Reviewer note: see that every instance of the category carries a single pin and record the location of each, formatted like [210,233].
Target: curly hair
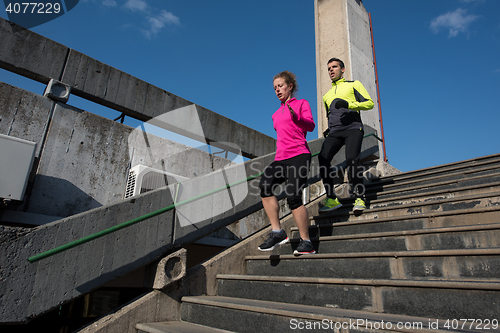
[289,78]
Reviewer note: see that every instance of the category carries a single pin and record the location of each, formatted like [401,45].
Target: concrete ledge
[223,312]
[440,299]
[145,308]
[176,327]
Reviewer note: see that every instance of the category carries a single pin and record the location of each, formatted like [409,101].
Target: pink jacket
[291,131]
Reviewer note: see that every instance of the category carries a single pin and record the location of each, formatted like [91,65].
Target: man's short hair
[338,60]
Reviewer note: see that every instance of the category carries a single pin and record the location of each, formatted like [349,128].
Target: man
[343,104]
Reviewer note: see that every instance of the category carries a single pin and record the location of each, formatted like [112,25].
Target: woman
[291,121]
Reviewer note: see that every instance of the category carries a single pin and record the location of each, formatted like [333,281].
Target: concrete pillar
[343,31]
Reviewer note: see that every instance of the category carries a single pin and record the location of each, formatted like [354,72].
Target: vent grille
[131,180]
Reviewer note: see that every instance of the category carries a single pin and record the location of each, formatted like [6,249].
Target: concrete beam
[29,54]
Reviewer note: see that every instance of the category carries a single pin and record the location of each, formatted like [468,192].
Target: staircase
[424,256]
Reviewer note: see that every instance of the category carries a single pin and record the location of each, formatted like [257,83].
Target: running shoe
[330,205]
[359,205]
[275,238]
[305,247]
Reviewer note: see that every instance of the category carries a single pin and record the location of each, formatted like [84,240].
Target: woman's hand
[290,108]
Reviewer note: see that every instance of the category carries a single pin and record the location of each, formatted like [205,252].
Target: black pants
[294,171]
[352,140]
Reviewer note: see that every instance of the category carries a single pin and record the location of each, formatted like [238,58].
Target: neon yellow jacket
[358,99]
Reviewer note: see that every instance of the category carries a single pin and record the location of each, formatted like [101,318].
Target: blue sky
[437,63]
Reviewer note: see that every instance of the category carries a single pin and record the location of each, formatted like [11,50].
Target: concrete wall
[82,158]
[343,31]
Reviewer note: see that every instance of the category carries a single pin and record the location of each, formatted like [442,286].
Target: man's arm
[363,99]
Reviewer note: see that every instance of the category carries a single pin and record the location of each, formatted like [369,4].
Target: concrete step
[250,316]
[176,327]
[431,299]
[428,246]
[428,178]
[480,172]
[452,218]
[420,194]
[377,201]
[419,188]
[445,238]
[476,264]
[468,165]
[418,206]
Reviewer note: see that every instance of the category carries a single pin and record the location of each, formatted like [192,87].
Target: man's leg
[330,147]
[354,140]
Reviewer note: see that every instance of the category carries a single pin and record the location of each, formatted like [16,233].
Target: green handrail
[375,135]
[123,225]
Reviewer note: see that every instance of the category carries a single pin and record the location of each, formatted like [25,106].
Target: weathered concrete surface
[402,299]
[165,155]
[342,30]
[36,57]
[82,159]
[83,164]
[384,169]
[30,289]
[24,115]
[29,54]
[170,269]
[148,308]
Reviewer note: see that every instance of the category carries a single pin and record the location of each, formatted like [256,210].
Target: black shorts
[293,171]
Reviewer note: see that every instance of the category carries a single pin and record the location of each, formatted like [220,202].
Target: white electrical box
[16,161]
